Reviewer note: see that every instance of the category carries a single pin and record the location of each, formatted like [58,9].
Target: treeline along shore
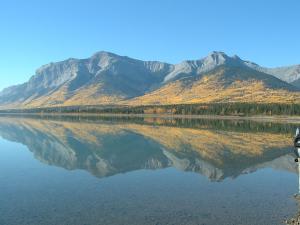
[222,109]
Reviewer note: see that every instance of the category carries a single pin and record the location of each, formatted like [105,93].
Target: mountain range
[106,78]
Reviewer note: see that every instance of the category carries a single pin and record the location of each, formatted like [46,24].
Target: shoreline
[258,118]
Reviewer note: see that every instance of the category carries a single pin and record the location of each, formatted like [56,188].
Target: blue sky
[36,32]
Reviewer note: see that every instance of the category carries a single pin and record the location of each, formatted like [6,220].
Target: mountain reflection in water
[106,146]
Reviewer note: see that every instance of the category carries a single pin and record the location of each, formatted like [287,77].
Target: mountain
[107,78]
[103,78]
[288,74]
[222,84]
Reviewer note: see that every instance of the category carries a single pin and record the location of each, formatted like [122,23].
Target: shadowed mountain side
[107,149]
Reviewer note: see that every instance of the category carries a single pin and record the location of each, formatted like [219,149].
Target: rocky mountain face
[289,74]
[222,85]
[107,78]
[103,78]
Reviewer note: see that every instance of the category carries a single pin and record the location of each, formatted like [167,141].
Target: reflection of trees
[104,146]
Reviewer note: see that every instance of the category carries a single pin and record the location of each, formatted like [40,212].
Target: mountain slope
[223,84]
[288,74]
[196,67]
[103,78]
[107,78]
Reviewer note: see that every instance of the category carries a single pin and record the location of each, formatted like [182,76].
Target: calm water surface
[93,170]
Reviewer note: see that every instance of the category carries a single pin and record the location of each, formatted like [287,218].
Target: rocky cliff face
[107,78]
[288,74]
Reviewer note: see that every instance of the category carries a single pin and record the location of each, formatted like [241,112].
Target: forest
[226,109]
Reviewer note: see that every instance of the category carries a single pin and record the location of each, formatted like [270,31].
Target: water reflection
[105,146]
[296,219]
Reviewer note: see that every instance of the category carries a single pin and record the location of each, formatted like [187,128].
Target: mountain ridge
[108,78]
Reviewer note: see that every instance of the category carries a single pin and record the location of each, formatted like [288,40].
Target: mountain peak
[236,57]
[104,54]
[215,58]
[196,67]
[218,54]
[103,59]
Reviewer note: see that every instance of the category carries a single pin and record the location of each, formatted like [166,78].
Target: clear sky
[36,32]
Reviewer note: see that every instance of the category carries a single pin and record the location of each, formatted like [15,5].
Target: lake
[90,170]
